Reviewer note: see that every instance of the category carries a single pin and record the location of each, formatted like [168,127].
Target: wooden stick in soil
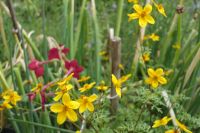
[115,44]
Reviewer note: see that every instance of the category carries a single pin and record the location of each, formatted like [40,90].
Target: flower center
[143,14]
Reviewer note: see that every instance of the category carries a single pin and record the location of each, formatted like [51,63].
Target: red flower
[37,67]
[73,67]
[54,52]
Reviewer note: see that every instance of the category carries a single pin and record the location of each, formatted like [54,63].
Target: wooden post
[115,45]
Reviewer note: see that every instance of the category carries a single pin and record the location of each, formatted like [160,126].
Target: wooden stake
[115,44]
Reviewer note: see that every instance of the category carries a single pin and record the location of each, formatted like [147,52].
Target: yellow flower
[171,131]
[161,122]
[77,132]
[153,37]
[86,103]
[11,96]
[65,110]
[38,88]
[146,57]
[155,77]
[168,72]
[183,127]
[161,9]
[176,46]
[102,86]
[84,78]
[5,105]
[63,87]
[121,66]
[118,83]
[143,14]
[133,1]
[87,87]
[61,91]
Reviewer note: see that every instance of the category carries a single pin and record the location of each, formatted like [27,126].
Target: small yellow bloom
[61,91]
[118,83]
[5,105]
[155,77]
[84,78]
[153,37]
[161,9]
[143,14]
[176,46]
[102,86]
[87,87]
[87,103]
[38,88]
[171,131]
[133,1]
[121,66]
[78,132]
[12,97]
[65,110]
[168,72]
[183,127]
[161,122]
[146,57]
[65,80]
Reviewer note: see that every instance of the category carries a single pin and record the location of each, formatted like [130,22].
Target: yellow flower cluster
[164,121]
[65,107]
[10,99]
[144,14]
[153,37]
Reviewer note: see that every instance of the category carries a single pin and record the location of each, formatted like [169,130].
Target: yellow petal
[92,98]
[162,80]
[58,96]
[125,78]
[114,79]
[57,107]
[151,72]
[82,108]
[171,131]
[61,118]
[132,16]
[118,91]
[154,84]
[137,8]
[71,115]
[159,71]
[148,8]
[149,19]
[161,9]
[74,105]
[66,99]
[90,107]
[142,22]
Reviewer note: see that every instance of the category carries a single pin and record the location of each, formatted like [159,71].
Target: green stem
[119,17]
[41,125]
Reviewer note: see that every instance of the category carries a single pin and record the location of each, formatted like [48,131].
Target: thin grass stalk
[41,125]
[19,81]
[14,123]
[45,44]
[119,17]
[71,32]
[177,53]
[97,41]
[65,32]
[4,40]
[78,29]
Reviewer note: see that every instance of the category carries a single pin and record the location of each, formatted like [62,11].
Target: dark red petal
[79,69]
[31,96]
[34,64]
[74,63]
[39,71]
[67,65]
[76,75]
[53,54]
[65,50]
